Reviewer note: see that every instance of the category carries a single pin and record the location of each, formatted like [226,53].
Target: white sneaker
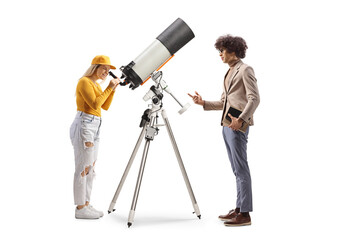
[101,214]
[86,213]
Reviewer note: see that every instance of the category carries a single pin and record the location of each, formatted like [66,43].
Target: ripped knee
[89,144]
[85,172]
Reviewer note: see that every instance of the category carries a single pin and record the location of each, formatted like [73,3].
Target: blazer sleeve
[215,105]
[252,94]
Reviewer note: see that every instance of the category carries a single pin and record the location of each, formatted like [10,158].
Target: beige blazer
[242,93]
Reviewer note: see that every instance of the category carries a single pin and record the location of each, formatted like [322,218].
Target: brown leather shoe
[228,216]
[239,220]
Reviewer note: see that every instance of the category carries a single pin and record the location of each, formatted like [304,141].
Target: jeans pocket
[87,131]
[86,118]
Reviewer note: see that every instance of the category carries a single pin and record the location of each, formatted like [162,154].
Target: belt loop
[81,113]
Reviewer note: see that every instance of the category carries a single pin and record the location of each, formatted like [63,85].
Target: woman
[85,129]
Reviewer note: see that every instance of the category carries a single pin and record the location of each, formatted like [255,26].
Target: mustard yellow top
[90,98]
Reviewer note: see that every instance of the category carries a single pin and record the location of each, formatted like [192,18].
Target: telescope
[154,57]
[136,73]
[157,54]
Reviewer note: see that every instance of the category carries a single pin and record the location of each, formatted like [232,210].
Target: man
[240,96]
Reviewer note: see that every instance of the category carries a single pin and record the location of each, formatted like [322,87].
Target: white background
[303,150]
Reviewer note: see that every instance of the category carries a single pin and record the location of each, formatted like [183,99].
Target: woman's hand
[197,99]
[114,83]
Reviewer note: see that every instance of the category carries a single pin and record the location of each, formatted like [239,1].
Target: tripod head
[155,92]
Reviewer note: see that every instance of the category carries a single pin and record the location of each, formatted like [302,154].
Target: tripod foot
[111,211]
[129,224]
[199,216]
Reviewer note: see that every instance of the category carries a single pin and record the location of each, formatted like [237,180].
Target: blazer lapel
[234,73]
[226,90]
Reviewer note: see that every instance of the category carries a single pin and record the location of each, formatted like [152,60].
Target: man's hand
[197,99]
[236,123]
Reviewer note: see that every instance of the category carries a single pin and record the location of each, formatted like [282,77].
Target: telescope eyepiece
[112,74]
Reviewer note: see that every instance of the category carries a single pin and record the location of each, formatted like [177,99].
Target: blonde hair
[91,70]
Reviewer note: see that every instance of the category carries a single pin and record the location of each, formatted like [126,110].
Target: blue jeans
[236,145]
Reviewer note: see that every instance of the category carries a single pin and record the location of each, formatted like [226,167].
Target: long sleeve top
[90,98]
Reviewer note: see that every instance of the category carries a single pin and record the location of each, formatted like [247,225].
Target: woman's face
[102,71]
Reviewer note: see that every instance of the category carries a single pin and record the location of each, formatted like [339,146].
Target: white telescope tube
[177,35]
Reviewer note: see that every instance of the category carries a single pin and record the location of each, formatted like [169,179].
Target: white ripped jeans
[85,128]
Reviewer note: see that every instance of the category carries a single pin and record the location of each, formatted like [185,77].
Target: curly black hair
[232,44]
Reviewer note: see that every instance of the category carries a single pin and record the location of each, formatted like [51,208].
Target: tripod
[149,130]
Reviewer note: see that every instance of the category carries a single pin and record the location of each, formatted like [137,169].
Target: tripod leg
[181,164]
[140,176]
[127,169]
